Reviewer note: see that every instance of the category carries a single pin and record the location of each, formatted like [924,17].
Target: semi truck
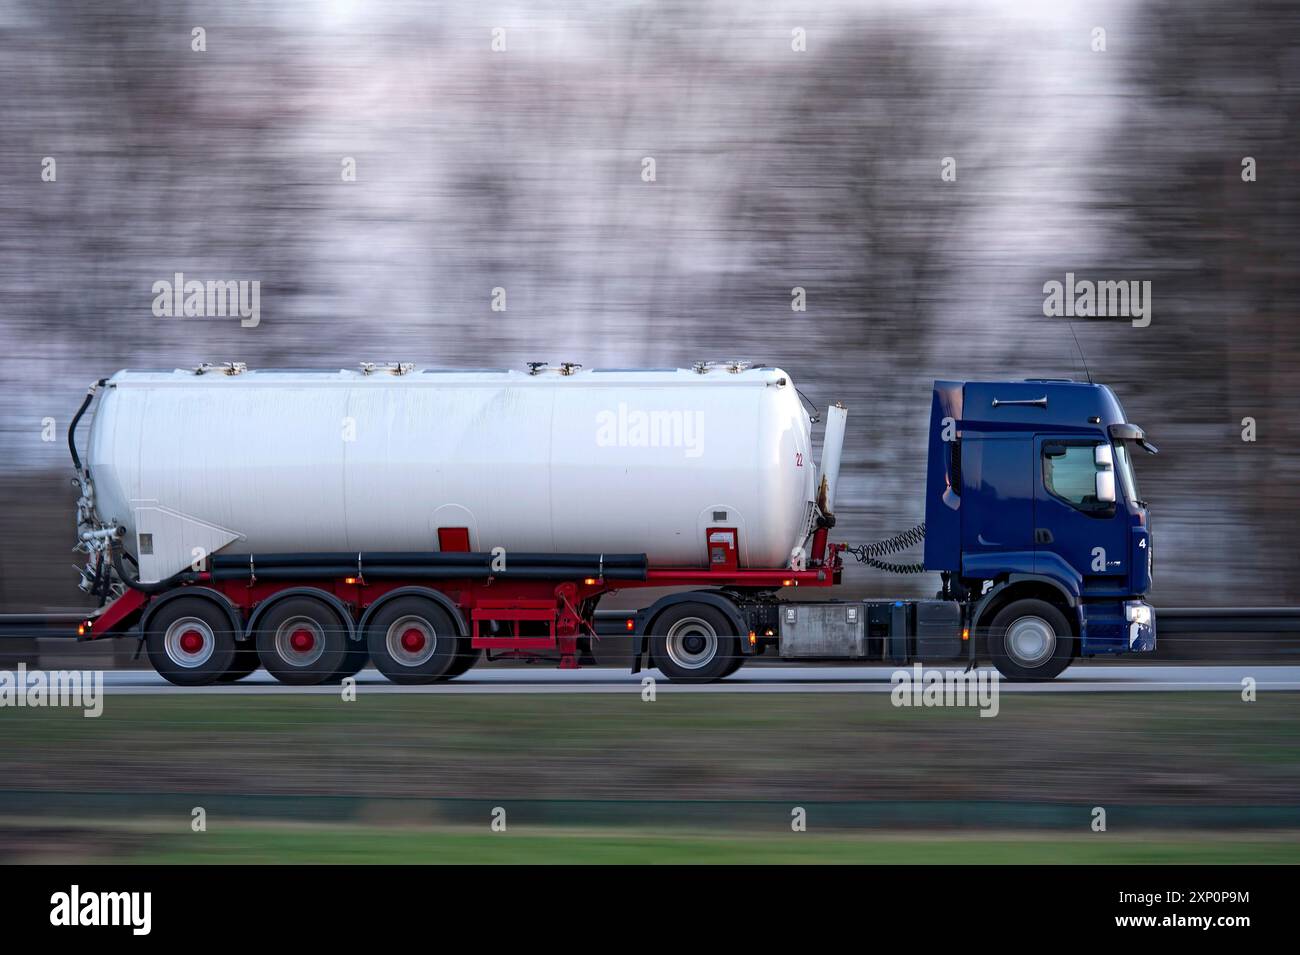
[418,519]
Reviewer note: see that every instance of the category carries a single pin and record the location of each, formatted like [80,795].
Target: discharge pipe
[837,417]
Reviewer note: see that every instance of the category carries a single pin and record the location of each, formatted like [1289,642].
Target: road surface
[1080,678]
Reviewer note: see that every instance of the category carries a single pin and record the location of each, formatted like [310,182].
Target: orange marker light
[81,630]
[787,583]
[589,581]
[349,580]
[965,633]
[752,639]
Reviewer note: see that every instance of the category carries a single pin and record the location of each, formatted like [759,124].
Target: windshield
[1124,465]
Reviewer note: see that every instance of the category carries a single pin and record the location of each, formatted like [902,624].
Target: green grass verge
[1132,749]
[260,844]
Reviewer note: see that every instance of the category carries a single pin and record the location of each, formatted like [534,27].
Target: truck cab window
[1070,474]
[1127,479]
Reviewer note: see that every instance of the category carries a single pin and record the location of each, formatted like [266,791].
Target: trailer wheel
[246,663]
[466,657]
[302,641]
[1030,640]
[190,642]
[412,640]
[693,643]
[355,658]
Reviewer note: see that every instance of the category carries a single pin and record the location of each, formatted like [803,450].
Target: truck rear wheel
[693,643]
[302,641]
[1030,640]
[190,642]
[412,640]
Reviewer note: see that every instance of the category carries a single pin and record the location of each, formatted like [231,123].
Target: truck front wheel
[1030,640]
[693,643]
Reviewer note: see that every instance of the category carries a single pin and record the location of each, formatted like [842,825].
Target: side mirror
[1106,487]
[1104,457]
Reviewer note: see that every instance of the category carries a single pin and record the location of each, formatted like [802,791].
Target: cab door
[1077,526]
[997,504]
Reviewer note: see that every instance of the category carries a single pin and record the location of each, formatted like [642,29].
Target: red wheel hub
[413,641]
[191,641]
[302,639]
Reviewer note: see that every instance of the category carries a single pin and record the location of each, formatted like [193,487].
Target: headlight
[1138,613]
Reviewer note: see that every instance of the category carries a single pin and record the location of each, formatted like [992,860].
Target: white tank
[591,461]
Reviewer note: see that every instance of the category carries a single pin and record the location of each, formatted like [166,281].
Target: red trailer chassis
[525,618]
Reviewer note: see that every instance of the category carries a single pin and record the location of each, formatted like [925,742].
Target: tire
[412,640]
[466,657]
[355,658]
[246,663]
[302,641]
[190,642]
[736,664]
[693,643]
[1030,640]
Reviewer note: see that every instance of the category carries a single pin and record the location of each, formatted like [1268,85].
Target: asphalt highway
[1081,678]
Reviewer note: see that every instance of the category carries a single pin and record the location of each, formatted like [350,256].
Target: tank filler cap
[226,368]
[735,366]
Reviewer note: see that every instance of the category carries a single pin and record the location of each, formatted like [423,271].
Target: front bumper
[1117,626]
[1140,622]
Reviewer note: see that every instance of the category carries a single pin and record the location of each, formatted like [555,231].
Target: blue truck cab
[1035,520]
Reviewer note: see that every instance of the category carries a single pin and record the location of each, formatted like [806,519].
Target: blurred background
[774,169]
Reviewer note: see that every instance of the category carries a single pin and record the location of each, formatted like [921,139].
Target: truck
[420,519]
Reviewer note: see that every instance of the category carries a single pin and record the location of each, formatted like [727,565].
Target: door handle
[1043,536]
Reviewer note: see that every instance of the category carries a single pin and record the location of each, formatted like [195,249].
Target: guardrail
[33,625]
[1205,620]
[1174,621]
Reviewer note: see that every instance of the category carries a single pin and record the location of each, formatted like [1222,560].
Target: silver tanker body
[590,461]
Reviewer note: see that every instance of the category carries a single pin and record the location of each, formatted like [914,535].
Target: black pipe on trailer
[416,572]
[427,559]
[440,565]
[158,587]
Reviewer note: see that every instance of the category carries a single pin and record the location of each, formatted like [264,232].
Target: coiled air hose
[870,554]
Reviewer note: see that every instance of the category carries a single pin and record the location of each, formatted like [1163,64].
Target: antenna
[1078,349]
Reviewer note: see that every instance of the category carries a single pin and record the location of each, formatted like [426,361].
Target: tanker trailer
[456,511]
